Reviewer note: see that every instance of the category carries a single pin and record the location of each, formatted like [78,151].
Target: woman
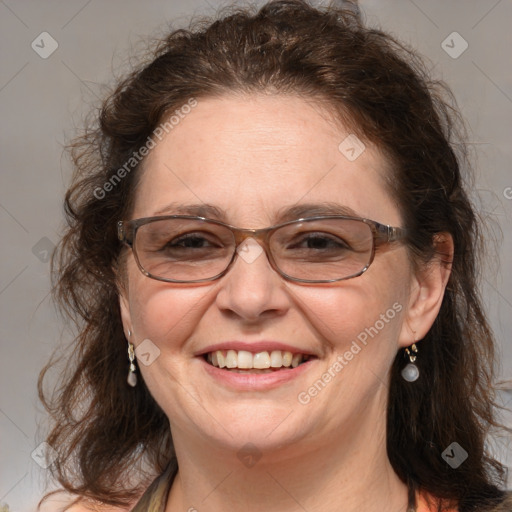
[272,263]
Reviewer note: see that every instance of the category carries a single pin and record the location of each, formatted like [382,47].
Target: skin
[251,157]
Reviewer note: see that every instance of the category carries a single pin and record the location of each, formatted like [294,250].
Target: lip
[254,347]
[253,381]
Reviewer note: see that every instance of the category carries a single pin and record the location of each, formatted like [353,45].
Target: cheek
[368,311]
[163,312]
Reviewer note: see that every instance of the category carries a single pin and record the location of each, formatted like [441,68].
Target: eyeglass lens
[193,250]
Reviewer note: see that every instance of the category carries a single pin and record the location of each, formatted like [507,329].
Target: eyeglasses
[188,249]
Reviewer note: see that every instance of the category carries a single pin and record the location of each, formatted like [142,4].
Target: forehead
[252,157]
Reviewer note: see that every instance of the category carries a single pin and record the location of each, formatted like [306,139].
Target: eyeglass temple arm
[389,233]
[122,233]
[395,234]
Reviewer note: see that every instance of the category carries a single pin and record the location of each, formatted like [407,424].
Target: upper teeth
[261,360]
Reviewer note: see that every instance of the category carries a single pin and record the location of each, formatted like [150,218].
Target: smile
[262,362]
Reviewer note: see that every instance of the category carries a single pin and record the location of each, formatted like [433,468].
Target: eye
[196,243]
[191,241]
[318,241]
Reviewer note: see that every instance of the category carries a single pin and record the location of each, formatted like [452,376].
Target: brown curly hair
[382,91]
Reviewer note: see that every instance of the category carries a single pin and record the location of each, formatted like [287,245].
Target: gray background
[42,100]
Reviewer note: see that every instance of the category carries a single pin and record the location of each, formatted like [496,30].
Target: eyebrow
[285,214]
[198,210]
[314,210]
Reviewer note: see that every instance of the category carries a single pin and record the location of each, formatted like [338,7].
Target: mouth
[247,362]
[256,366]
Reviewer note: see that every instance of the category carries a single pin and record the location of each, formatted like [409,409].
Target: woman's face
[251,160]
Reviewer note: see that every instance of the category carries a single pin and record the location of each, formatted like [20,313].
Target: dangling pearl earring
[411,372]
[132,376]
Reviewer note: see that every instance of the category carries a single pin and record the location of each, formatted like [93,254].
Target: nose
[252,289]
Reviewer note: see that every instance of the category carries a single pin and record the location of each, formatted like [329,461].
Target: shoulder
[95,507]
[428,503]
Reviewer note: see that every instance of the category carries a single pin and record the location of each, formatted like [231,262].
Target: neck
[351,474]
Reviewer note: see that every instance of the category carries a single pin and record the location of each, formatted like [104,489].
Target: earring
[132,376]
[411,372]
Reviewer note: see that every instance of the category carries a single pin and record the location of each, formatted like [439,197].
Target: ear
[427,291]
[124,303]
[124,307]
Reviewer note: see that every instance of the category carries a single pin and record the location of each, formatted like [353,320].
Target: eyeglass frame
[382,234]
